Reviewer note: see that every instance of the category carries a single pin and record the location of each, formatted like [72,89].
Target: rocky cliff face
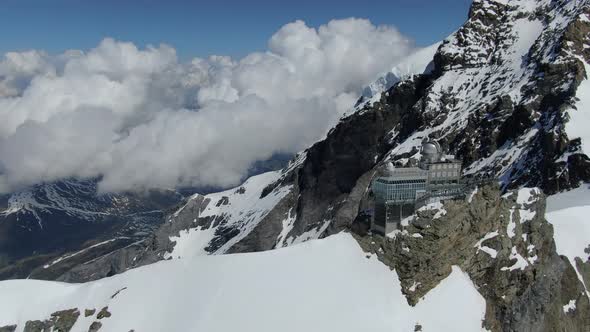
[499,96]
[511,74]
[505,245]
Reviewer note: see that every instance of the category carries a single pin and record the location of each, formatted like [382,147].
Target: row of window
[444,174]
[400,191]
[443,182]
[397,182]
[445,166]
[401,196]
[397,187]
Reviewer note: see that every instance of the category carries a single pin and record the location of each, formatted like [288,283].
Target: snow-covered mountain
[328,285]
[419,62]
[501,93]
[485,264]
[506,93]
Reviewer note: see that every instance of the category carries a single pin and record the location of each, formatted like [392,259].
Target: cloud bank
[139,118]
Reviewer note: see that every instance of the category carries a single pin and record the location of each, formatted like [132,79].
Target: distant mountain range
[40,224]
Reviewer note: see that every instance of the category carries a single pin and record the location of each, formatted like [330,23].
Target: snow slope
[579,118]
[321,285]
[416,63]
[568,212]
[241,208]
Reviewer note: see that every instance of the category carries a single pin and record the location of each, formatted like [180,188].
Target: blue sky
[201,28]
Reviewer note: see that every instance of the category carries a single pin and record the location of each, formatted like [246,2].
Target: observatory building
[402,190]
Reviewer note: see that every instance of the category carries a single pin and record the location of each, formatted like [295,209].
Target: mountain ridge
[495,134]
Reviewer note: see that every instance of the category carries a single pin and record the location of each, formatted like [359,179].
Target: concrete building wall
[444,172]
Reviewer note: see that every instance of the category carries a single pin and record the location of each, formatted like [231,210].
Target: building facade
[402,190]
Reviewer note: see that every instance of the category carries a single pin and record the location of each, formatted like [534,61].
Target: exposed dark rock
[8,328]
[89,312]
[103,313]
[64,320]
[336,172]
[224,200]
[54,271]
[38,326]
[60,321]
[117,292]
[265,235]
[95,326]
[222,235]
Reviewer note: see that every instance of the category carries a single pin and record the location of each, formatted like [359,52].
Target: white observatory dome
[431,151]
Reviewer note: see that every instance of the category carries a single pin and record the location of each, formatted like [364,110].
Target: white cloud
[139,118]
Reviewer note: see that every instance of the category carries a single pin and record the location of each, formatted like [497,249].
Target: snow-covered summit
[418,62]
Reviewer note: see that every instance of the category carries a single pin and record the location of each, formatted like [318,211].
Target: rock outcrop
[94,327]
[103,313]
[504,244]
[60,321]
